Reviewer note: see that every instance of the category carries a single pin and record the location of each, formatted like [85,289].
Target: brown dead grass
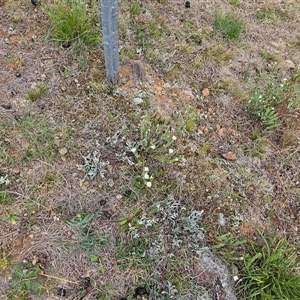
[258,189]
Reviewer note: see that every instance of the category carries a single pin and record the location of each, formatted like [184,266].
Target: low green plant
[6,197]
[26,280]
[37,92]
[266,103]
[227,247]
[135,8]
[92,166]
[156,141]
[89,240]
[72,22]
[271,271]
[229,25]
[38,137]
[236,3]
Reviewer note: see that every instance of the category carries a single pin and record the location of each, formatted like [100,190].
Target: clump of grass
[26,280]
[229,25]
[37,92]
[73,22]
[271,271]
[135,8]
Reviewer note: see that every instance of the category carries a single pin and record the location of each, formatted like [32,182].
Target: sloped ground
[113,229]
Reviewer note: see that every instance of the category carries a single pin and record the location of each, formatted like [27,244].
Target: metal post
[109,13]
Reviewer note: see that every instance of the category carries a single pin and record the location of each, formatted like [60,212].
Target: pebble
[7,105]
[63,151]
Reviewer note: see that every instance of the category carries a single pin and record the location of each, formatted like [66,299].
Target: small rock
[211,271]
[205,92]
[187,4]
[229,156]
[7,106]
[18,74]
[140,291]
[137,100]
[63,151]
[107,214]
[127,193]
[66,45]
[102,202]
[110,183]
[15,171]
[119,197]
[289,64]
[61,292]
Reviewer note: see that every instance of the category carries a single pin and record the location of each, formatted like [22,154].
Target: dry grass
[64,231]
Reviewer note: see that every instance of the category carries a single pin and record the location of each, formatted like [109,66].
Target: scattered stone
[107,214]
[66,45]
[140,293]
[187,4]
[7,105]
[102,202]
[86,282]
[289,64]
[119,197]
[221,220]
[61,292]
[205,92]
[127,193]
[110,183]
[212,273]
[63,151]
[15,171]
[138,100]
[229,156]
[18,74]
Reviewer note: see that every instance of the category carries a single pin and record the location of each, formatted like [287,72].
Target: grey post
[109,13]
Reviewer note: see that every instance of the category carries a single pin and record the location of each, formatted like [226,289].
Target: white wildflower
[153,147]
[171,151]
[146,176]
[174,138]
[146,169]
[149,184]
[133,150]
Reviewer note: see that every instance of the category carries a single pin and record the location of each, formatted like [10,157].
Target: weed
[272,99]
[88,238]
[92,166]
[235,3]
[268,56]
[271,271]
[39,137]
[73,22]
[227,247]
[37,92]
[135,8]
[229,25]
[5,197]
[25,281]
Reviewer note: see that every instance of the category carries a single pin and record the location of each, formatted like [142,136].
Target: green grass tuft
[229,25]
[271,271]
[72,22]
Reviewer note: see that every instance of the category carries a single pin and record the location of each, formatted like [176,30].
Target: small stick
[54,277]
